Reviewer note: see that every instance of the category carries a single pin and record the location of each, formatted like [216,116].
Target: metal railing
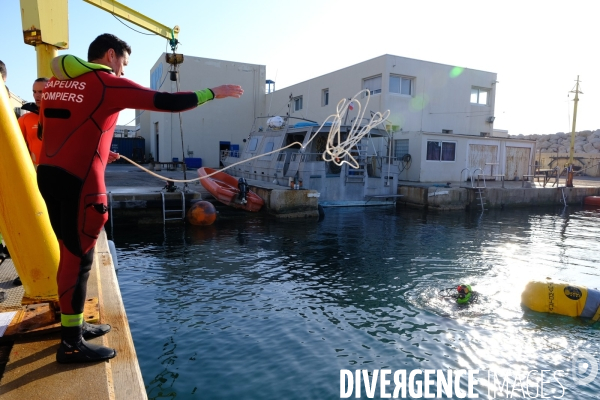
[482,175]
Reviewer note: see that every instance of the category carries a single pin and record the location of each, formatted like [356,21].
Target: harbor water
[257,308]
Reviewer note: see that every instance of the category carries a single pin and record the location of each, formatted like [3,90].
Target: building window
[155,77]
[479,95]
[441,151]
[401,85]
[325,97]
[298,103]
[400,148]
[373,85]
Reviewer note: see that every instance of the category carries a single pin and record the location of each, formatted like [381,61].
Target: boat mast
[572,149]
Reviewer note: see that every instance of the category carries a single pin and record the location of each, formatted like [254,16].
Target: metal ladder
[165,211]
[564,198]
[110,205]
[357,175]
[480,197]
[479,188]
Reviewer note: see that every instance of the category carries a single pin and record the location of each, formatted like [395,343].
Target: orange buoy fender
[202,213]
[591,200]
[562,298]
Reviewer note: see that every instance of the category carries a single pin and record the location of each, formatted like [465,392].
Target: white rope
[336,150]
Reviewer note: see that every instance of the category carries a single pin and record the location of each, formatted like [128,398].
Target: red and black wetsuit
[77,120]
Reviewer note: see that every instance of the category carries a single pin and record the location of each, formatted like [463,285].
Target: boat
[368,177]
[229,190]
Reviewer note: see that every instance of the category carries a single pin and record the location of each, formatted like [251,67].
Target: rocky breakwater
[586,142]
[553,150]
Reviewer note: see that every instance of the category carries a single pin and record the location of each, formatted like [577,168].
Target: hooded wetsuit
[79,111]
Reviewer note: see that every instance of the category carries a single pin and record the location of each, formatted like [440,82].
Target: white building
[212,127]
[127,131]
[441,116]
[16,102]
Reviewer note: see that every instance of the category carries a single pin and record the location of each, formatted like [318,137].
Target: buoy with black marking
[562,298]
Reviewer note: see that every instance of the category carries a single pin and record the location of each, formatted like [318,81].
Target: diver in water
[463,294]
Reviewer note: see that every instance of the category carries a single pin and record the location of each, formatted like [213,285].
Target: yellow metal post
[24,221]
[45,54]
[45,26]
[572,149]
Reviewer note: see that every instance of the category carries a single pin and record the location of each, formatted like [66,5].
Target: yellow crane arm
[128,14]
[45,26]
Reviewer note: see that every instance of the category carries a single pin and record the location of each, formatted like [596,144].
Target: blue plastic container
[133,148]
[193,163]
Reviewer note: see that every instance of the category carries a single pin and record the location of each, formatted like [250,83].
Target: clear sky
[537,48]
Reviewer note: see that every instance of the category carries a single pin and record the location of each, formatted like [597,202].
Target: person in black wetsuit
[79,111]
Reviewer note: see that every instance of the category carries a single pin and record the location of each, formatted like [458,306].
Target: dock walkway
[126,179]
[496,194]
[136,196]
[33,373]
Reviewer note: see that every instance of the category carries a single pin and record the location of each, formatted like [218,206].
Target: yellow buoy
[24,220]
[561,298]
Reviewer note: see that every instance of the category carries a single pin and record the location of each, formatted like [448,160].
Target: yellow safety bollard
[24,221]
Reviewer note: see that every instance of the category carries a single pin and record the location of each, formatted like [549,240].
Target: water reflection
[265,309]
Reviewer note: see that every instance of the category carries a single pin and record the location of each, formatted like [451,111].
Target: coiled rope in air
[336,150]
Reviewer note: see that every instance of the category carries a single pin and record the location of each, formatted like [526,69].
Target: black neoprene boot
[4,254]
[74,349]
[90,331]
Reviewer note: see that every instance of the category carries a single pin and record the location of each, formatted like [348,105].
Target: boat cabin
[295,154]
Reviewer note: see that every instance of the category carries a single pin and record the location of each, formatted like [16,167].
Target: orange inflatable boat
[230,190]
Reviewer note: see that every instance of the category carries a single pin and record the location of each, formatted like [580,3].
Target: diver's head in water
[464,294]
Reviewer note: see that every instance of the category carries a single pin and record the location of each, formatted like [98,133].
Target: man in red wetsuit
[79,111]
